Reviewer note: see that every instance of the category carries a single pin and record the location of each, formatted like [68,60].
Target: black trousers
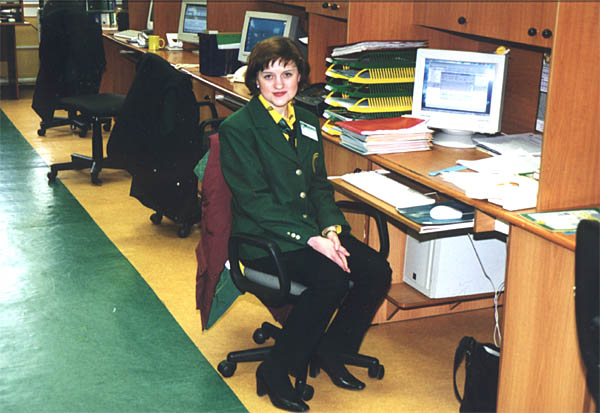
[308,327]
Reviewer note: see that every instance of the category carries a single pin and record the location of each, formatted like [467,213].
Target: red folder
[400,124]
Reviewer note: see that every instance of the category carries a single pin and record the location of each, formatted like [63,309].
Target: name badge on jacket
[309,131]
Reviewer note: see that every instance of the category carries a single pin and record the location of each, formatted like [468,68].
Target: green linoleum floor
[80,329]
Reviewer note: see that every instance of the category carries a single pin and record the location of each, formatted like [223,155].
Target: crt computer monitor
[460,93]
[262,25]
[192,20]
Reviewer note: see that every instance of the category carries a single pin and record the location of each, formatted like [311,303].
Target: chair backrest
[587,303]
[71,56]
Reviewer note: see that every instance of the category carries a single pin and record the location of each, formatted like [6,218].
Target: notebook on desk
[128,34]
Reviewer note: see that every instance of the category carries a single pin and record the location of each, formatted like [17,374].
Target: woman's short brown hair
[270,51]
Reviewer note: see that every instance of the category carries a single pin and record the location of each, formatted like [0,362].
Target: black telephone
[313,98]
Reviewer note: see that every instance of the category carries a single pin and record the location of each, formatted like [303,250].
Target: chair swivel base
[75,123]
[80,162]
[374,369]
[185,228]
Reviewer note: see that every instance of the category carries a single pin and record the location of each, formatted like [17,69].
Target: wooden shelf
[406,297]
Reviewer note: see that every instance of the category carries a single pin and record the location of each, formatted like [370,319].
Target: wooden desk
[540,368]
[8,54]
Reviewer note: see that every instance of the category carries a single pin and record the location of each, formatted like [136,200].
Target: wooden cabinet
[570,170]
[523,22]
[336,8]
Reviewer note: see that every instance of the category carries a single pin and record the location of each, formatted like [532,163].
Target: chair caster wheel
[377,372]
[308,393]
[156,218]
[96,180]
[52,176]
[106,127]
[41,132]
[226,368]
[184,230]
[83,132]
[259,336]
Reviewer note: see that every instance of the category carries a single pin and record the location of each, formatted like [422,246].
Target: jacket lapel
[268,130]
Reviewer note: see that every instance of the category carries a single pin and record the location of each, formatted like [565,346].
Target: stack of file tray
[396,66]
[334,114]
[371,98]
[373,82]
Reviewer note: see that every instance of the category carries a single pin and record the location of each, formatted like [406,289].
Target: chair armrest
[211,105]
[273,296]
[380,221]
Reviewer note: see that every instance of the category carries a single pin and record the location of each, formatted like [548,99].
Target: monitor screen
[459,92]
[261,29]
[192,20]
[259,26]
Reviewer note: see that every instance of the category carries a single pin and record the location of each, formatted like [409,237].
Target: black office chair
[587,303]
[276,290]
[71,66]
[157,139]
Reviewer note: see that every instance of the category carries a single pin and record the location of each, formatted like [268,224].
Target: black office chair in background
[274,290]
[71,66]
[157,139]
[587,302]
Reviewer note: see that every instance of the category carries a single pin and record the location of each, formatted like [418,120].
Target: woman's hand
[332,248]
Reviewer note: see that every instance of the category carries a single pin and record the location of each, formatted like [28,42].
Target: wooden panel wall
[166,17]
[570,172]
[138,14]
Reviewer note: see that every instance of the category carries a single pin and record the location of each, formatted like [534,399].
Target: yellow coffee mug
[155,43]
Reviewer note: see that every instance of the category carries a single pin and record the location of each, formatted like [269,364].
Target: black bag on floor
[481,380]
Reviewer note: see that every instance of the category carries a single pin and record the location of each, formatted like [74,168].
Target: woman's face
[279,84]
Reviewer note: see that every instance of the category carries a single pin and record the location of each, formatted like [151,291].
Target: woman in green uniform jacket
[272,159]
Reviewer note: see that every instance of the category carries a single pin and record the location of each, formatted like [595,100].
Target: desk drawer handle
[547,33]
[462,20]
[532,31]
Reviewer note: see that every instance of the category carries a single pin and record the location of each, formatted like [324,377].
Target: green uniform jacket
[278,193]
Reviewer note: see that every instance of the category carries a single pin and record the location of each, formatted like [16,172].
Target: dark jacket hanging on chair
[71,56]
[157,138]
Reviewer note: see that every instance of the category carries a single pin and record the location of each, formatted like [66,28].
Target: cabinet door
[455,15]
[522,22]
[336,8]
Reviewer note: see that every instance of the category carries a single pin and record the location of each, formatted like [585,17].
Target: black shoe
[280,390]
[337,372]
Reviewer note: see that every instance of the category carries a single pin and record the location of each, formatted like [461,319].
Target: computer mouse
[445,212]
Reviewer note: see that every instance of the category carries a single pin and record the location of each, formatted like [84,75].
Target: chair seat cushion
[99,105]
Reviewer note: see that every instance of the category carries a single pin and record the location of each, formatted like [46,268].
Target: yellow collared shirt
[290,120]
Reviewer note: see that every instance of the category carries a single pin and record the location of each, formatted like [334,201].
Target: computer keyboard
[386,189]
[127,34]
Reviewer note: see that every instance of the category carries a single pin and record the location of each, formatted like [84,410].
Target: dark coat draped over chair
[71,57]
[157,139]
